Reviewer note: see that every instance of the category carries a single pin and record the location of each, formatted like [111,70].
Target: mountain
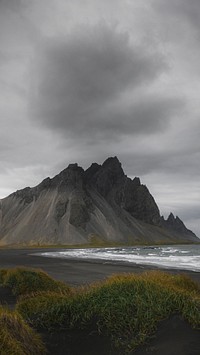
[100,204]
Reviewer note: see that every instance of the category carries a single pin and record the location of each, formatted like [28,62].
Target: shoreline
[77,272]
[172,335]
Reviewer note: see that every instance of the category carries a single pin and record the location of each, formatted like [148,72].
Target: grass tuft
[16,337]
[26,280]
[125,307]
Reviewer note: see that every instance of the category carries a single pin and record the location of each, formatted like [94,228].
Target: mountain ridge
[78,205]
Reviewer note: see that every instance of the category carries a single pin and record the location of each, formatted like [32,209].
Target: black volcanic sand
[77,342]
[74,272]
[174,336]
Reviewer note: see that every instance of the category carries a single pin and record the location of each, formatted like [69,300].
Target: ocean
[184,257]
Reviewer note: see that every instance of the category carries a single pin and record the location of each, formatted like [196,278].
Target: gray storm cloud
[84,84]
[76,88]
[187,10]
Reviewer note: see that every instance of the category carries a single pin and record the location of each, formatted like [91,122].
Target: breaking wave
[185,257]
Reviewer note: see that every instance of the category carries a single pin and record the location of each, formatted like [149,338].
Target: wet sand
[75,272]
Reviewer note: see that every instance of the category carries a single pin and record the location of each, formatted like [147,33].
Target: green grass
[125,307]
[26,280]
[16,337]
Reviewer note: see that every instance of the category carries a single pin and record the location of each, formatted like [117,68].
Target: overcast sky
[83,80]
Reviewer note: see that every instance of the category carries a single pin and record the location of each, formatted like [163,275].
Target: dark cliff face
[111,182]
[106,176]
[77,204]
[70,177]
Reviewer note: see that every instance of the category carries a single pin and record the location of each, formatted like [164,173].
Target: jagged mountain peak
[112,162]
[171,217]
[90,172]
[71,176]
[77,204]
[71,169]
[175,224]
[174,219]
[136,181]
[113,165]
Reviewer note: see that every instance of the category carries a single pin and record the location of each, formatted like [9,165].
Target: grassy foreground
[126,307]
[16,337]
[25,281]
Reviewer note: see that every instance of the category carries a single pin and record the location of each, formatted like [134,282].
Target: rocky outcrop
[177,226]
[111,182]
[78,206]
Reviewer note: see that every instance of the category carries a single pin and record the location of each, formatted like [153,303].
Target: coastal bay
[72,271]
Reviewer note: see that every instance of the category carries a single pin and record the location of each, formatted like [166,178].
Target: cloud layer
[80,81]
[96,82]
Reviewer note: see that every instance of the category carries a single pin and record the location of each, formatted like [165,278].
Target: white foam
[169,257]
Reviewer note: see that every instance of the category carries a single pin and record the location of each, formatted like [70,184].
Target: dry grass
[26,280]
[16,337]
[126,307]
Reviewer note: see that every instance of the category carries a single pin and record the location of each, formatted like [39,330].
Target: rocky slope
[100,204]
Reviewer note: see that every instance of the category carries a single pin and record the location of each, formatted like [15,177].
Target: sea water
[185,257]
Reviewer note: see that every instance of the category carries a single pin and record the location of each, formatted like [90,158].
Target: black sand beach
[74,272]
[174,335]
